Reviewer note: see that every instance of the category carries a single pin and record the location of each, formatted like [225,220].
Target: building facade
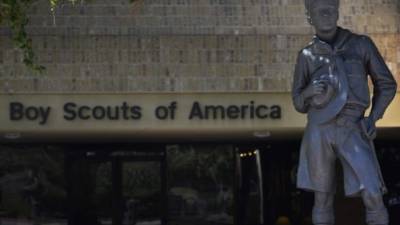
[157,81]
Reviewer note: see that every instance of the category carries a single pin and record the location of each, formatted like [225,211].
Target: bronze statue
[331,85]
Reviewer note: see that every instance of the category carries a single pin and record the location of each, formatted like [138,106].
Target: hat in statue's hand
[321,100]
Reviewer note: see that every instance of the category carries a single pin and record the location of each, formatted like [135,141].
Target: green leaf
[14,12]
[53,4]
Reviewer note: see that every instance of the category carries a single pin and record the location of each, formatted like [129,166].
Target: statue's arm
[385,86]
[300,82]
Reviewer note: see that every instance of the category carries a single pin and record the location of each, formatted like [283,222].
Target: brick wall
[180,45]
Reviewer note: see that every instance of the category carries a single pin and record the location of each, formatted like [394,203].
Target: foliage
[205,164]
[15,161]
[202,176]
[13,13]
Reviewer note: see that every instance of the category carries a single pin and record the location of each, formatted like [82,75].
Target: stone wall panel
[179,45]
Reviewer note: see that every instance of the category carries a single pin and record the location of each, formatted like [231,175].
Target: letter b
[16,111]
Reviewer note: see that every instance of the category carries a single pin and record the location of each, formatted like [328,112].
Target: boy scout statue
[331,85]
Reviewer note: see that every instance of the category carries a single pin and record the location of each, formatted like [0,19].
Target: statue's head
[323,14]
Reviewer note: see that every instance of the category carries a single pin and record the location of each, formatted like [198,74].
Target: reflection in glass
[141,193]
[32,185]
[200,184]
[102,196]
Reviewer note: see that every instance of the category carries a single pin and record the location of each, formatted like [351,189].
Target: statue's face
[324,16]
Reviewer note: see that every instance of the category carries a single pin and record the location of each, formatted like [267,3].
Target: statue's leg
[323,213]
[376,212]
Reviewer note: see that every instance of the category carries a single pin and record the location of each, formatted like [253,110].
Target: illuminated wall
[180,45]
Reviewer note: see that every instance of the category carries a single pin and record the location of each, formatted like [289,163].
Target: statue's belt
[345,121]
[357,112]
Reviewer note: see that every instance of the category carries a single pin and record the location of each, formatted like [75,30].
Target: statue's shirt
[360,58]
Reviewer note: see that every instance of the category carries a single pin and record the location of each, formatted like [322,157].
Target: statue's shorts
[341,138]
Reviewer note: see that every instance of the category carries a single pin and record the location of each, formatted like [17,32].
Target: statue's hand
[368,124]
[314,88]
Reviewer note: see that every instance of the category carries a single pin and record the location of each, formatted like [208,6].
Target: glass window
[32,185]
[200,184]
[142,193]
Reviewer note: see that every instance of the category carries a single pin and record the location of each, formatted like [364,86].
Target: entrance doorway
[128,185]
[267,192]
[118,184]
[123,186]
